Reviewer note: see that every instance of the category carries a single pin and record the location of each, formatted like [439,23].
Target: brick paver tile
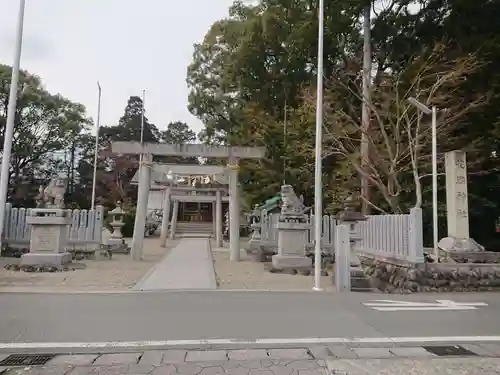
[206,355]
[247,354]
[75,359]
[164,370]
[373,352]
[188,369]
[318,371]
[320,352]
[340,351]
[417,352]
[152,357]
[41,370]
[304,365]
[282,370]
[289,353]
[238,371]
[117,358]
[212,370]
[261,372]
[493,348]
[174,356]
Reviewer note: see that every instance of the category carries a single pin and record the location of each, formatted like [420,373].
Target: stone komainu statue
[52,196]
[292,207]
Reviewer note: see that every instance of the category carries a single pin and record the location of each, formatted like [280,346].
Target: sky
[127,45]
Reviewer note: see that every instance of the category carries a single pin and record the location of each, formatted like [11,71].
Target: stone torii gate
[148,150]
[160,177]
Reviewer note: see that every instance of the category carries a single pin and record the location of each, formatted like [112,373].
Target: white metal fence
[85,228]
[392,236]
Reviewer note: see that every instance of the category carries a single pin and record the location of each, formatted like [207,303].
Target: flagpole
[11,114]
[96,150]
[318,183]
[142,121]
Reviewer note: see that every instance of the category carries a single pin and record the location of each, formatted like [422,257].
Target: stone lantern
[255,225]
[350,217]
[116,241]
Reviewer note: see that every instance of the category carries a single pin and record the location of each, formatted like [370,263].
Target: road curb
[230,344]
[324,355]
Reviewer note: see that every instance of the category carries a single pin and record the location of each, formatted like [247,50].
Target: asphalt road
[232,315]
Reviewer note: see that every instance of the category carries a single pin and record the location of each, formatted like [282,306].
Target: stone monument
[292,233]
[458,240]
[49,224]
[116,243]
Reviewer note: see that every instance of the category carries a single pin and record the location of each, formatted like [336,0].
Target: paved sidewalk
[188,266]
[319,360]
[439,366]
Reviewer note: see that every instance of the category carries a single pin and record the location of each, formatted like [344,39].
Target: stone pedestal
[350,218]
[292,240]
[49,236]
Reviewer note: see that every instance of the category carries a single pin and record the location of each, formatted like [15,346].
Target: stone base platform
[49,259]
[290,261]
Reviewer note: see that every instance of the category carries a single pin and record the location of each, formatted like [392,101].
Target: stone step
[359,282]
[190,227]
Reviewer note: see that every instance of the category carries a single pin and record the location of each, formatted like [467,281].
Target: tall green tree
[44,125]
[178,133]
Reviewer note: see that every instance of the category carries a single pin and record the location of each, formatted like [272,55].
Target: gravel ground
[247,274]
[119,273]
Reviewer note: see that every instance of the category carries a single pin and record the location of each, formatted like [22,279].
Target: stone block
[373,352]
[45,259]
[247,354]
[206,355]
[291,353]
[409,352]
[117,359]
[285,262]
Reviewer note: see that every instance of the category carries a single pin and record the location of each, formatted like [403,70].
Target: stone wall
[475,257]
[389,277]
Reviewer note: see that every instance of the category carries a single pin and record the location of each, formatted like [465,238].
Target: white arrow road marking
[439,305]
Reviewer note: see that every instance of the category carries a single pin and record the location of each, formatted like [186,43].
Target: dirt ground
[248,274]
[119,273]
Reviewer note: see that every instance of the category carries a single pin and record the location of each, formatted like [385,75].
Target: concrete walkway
[188,266]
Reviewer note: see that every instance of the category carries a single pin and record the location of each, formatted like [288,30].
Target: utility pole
[365,114]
